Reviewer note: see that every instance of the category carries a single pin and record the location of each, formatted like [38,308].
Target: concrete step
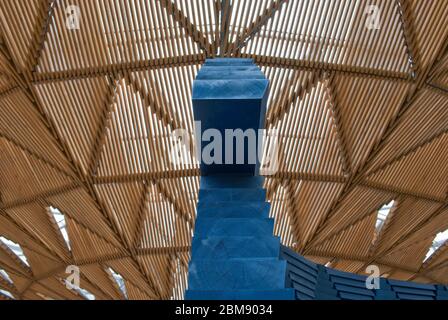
[235,247]
[229,61]
[234,210]
[237,274]
[223,68]
[216,75]
[214,204]
[231,181]
[230,227]
[236,90]
[232,194]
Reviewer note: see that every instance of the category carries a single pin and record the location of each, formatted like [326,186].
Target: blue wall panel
[321,283]
[234,253]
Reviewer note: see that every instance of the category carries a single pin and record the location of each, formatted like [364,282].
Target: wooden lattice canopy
[359,98]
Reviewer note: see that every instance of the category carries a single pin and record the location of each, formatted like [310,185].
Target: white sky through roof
[5,275]
[6,293]
[382,215]
[120,282]
[439,241]
[60,220]
[15,248]
[86,294]
[83,292]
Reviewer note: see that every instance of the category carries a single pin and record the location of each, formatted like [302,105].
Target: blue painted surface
[233,227]
[237,274]
[234,253]
[316,282]
[230,94]
[229,61]
[283,294]
[236,247]
[234,210]
[231,181]
[233,194]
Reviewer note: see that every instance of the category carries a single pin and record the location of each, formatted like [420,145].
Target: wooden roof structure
[86,115]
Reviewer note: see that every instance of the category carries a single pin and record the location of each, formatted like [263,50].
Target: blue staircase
[234,253]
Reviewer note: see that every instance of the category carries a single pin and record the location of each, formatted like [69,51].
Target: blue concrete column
[234,252]
[229,94]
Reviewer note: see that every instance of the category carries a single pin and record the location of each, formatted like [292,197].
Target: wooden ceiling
[86,116]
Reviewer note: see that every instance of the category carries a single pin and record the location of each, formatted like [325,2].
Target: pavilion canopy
[91,90]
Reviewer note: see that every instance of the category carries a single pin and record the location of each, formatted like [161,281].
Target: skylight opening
[62,225]
[382,215]
[16,249]
[5,275]
[6,293]
[120,282]
[438,241]
[86,294]
[83,292]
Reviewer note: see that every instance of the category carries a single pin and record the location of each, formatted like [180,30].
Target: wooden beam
[184,215]
[172,174]
[375,186]
[439,211]
[335,111]
[12,89]
[106,115]
[44,22]
[400,191]
[320,253]
[161,110]
[225,7]
[365,72]
[50,253]
[108,69]
[36,156]
[293,212]
[105,259]
[308,177]
[409,34]
[84,181]
[256,25]
[188,26]
[147,176]
[413,93]
[438,88]
[428,266]
[409,152]
[38,196]
[273,117]
[141,215]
